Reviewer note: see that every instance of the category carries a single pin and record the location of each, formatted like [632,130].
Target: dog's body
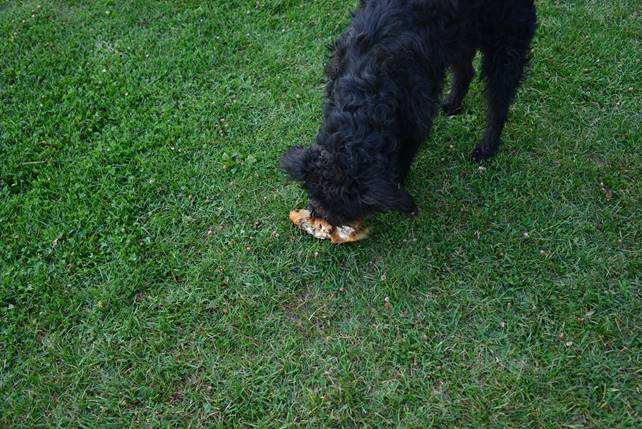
[385,80]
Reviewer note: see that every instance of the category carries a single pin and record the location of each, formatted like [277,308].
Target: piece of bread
[347,234]
[322,230]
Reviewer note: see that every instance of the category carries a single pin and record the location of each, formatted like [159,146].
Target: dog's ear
[293,163]
[386,196]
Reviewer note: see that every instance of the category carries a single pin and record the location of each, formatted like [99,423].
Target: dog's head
[341,193]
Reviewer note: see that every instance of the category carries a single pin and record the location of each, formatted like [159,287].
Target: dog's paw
[483,152]
[413,212]
[448,108]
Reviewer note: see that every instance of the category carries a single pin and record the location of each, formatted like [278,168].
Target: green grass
[149,276]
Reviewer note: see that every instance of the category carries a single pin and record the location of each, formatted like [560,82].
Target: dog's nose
[315,210]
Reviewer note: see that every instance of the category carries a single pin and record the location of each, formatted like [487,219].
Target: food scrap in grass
[322,230]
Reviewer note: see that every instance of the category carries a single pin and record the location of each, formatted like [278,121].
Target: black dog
[385,79]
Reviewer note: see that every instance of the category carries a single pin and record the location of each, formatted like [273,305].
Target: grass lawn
[149,275]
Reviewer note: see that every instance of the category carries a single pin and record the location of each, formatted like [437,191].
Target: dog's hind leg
[463,73]
[503,69]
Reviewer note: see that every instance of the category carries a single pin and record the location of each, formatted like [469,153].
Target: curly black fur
[385,79]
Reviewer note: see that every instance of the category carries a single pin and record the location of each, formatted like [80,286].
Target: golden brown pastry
[322,230]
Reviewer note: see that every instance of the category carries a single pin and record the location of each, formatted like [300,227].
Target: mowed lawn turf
[150,276]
